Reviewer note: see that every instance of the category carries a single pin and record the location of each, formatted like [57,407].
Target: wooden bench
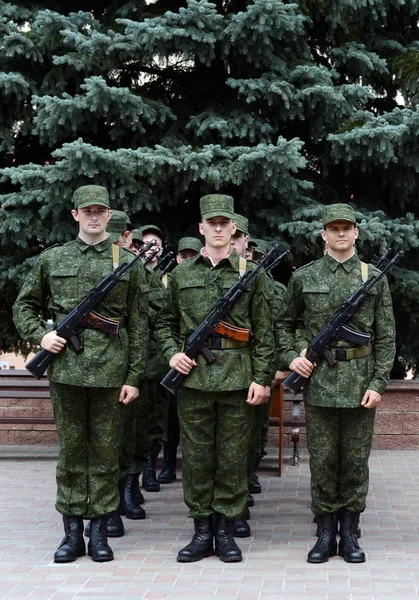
[16,386]
[285,413]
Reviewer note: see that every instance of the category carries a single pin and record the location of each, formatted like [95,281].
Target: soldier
[340,402]
[216,402]
[149,233]
[120,229]
[89,388]
[137,241]
[188,247]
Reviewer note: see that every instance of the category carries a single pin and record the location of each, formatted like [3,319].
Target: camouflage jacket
[157,366]
[276,304]
[61,277]
[194,288]
[314,293]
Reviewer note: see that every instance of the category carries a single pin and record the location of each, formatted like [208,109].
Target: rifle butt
[39,363]
[293,383]
[172,381]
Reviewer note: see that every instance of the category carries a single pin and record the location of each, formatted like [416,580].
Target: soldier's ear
[324,235]
[75,214]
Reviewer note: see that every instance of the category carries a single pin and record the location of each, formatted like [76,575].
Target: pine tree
[288,106]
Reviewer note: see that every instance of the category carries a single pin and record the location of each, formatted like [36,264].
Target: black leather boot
[168,473]
[98,547]
[139,498]
[241,526]
[150,483]
[129,506]
[339,516]
[201,544]
[255,487]
[225,546]
[250,500]
[114,526]
[72,545]
[326,545]
[349,548]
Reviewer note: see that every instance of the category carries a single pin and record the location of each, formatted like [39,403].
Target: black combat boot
[339,516]
[114,526]
[250,500]
[201,544]
[168,473]
[72,545]
[129,506]
[255,487]
[225,546]
[241,526]
[98,547]
[150,483]
[139,498]
[326,545]
[349,548]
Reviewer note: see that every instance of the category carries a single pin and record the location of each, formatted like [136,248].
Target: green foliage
[288,106]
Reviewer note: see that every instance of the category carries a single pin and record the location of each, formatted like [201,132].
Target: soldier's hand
[53,342]
[128,394]
[371,399]
[182,363]
[302,366]
[258,394]
[279,376]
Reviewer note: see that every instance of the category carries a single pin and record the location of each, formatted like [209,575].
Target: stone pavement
[274,565]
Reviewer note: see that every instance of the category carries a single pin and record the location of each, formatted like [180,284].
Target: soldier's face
[217,231]
[185,255]
[148,237]
[92,220]
[340,236]
[239,242]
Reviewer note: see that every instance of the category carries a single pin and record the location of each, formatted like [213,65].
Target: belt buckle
[340,353]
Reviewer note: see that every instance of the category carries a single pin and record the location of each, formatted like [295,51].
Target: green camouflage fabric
[215,431]
[242,224]
[87,468]
[314,293]
[189,243]
[216,205]
[89,195]
[62,276]
[194,288]
[339,443]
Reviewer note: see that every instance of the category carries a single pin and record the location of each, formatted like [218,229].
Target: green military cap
[242,223]
[252,243]
[189,243]
[137,234]
[261,246]
[338,212]
[118,224]
[217,205]
[152,229]
[88,195]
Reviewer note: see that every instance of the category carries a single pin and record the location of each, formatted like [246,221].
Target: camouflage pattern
[194,288]
[88,195]
[215,430]
[339,212]
[216,205]
[314,293]
[118,224]
[62,276]
[87,468]
[151,229]
[137,234]
[189,243]
[242,224]
[339,443]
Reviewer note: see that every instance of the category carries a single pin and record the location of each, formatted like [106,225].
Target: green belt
[218,343]
[351,353]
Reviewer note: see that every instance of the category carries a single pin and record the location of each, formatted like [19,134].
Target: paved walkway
[274,565]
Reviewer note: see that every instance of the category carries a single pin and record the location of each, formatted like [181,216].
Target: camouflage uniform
[339,430]
[215,420]
[85,386]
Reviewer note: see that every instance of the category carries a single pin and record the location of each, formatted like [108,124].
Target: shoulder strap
[242,266]
[115,256]
[364,271]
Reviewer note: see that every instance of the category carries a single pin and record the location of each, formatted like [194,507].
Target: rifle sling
[351,353]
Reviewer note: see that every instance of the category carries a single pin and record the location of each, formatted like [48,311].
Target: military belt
[218,343]
[351,353]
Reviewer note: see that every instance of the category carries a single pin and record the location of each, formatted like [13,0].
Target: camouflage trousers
[259,438]
[215,430]
[89,431]
[339,443]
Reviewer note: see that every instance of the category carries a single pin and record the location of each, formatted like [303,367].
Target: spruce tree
[288,106]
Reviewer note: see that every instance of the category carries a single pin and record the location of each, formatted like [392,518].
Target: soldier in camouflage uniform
[216,402]
[341,401]
[88,389]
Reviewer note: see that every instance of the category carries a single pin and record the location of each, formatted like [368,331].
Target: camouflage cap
[338,212]
[189,243]
[137,234]
[252,243]
[118,224]
[262,247]
[217,205]
[88,195]
[151,229]
[242,224]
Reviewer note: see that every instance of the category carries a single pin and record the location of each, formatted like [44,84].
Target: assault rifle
[337,327]
[213,323]
[83,316]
